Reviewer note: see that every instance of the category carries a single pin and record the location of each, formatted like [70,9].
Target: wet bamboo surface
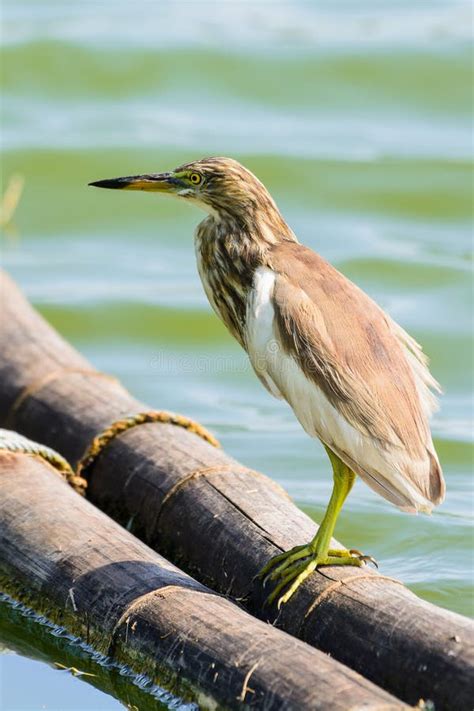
[71,562]
[221,522]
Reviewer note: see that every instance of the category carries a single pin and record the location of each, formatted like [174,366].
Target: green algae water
[35,637]
[357,117]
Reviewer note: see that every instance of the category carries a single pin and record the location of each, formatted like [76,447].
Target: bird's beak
[155,182]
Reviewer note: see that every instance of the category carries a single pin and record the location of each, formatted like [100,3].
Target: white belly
[283,377]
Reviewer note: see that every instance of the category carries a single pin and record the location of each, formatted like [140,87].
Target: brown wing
[349,348]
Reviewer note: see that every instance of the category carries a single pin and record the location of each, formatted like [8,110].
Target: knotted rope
[13,442]
[100,442]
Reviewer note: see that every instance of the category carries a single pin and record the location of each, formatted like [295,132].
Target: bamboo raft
[68,560]
[220,521]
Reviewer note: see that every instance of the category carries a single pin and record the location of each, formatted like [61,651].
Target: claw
[290,569]
[369,559]
[364,558]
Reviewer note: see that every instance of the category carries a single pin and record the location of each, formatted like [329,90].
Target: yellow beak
[155,182]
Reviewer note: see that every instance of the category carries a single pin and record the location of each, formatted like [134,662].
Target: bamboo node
[13,442]
[207,471]
[100,442]
[134,607]
[195,474]
[345,581]
[40,383]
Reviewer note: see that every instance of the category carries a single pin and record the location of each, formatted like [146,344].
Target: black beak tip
[114,184]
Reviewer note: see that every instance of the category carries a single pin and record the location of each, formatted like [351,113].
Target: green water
[357,116]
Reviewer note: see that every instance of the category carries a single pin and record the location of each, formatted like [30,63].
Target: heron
[353,377]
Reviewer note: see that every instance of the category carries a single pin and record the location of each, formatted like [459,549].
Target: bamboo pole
[221,522]
[32,635]
[71,562]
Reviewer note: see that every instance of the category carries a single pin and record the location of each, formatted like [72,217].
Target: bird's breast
[226,283]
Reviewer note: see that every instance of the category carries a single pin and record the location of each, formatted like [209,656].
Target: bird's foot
[294,566]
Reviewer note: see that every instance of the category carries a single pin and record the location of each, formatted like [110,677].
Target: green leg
[293,567]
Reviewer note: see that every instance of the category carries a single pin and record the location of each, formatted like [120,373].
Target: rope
[345,581]
[13,442]
[78,480]
[100,442]
[39,384]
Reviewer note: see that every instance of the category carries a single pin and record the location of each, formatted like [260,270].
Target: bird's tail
[436,484]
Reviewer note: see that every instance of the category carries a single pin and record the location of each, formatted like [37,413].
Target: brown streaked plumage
[353,377]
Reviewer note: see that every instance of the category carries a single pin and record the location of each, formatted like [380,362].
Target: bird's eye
[195,178]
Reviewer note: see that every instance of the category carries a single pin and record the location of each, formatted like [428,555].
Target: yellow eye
[195,178]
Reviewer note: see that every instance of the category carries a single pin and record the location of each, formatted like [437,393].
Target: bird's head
[220,186]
